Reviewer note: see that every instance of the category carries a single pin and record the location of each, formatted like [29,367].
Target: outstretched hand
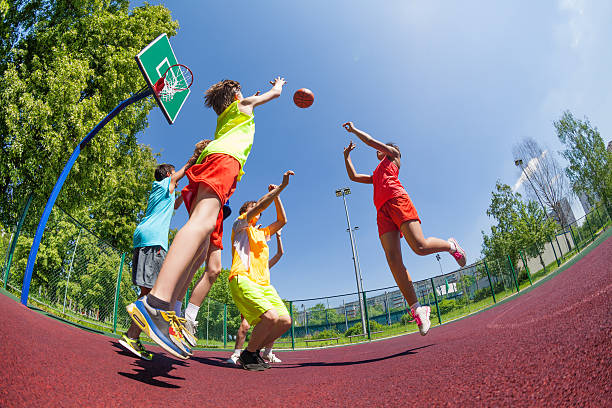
[286,177]
[348,149]
[278,81]
[349,126]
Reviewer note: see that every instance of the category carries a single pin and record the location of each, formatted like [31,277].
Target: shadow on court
[356,362]
[149,372]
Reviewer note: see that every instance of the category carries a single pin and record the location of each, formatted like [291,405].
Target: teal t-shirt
[153,229]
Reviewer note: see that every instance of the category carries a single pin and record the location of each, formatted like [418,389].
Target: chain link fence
[82,279]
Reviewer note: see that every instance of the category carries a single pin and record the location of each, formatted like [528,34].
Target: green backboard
[153,61]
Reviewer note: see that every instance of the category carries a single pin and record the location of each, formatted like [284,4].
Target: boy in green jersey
[212,180]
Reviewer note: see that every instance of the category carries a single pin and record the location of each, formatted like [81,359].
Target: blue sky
[454,84]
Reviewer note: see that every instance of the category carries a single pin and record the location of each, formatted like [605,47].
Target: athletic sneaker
[177,329]
[250,361]
[261,360]
[421,316]
[135,346]
[159,325]
[459,253]
[233,359]
[271,358]
[188,329]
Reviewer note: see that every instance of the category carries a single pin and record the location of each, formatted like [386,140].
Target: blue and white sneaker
[160,326]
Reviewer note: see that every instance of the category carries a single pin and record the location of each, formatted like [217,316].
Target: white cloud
[575,8]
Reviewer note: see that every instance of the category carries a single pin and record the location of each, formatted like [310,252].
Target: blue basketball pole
[27,277]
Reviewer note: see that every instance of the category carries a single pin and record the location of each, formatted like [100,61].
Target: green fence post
[513,274]
[586,217]
[292,325]
[436,300]
[365,304]
[224,325]
[576,244]
[15,238]
[117,291]
[554,252]
[526,267]
[490,281]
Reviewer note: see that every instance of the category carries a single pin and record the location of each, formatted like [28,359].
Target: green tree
[590,164]
[65,65]
[520,225]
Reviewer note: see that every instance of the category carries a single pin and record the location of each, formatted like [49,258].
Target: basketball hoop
[177,78]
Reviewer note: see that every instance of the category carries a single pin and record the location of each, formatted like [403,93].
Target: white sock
[267,351]
[237,351]
[414,307]
[192,312]
[178,308]
[453,247]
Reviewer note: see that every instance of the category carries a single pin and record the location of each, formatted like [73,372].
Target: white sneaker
[271,358]
[459,253]
[421,315]
[189,330]
[233,359]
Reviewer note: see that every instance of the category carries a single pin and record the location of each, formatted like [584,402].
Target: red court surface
[551,346]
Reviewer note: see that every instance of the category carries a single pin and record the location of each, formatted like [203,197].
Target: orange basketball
[303,98]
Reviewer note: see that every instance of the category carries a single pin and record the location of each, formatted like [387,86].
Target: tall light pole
[519,163]
[439,263]
[355,229]
[342,193]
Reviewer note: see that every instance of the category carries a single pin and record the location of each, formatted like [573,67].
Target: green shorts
[253,300]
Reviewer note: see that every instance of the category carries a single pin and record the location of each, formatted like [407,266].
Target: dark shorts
[146,264]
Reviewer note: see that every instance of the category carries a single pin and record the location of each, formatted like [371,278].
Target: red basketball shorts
[219,172]
[394,212]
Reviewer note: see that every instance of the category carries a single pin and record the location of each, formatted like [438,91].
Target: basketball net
[177,78]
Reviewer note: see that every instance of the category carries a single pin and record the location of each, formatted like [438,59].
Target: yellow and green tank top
[233,136]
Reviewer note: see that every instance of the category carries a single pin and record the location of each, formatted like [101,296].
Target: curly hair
[221,95]
[246,205]
[199,148]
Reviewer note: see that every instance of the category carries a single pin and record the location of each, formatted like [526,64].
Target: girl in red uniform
[396,216]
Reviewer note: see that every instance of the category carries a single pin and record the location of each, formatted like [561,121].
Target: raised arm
[174,179]
[247,104]
[279,250]
[281,216]
[370,141]
[350,169]
[178,201]
[266,200]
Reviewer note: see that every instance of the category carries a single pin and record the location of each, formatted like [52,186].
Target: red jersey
[386,184]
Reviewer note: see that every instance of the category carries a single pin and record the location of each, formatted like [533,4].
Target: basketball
[303,98]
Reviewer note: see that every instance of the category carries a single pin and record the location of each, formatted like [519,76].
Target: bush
[375,326]
[356,328]
[498,287]
[522,276]
[406,319]
[447,305]
[325,334]
[481,294]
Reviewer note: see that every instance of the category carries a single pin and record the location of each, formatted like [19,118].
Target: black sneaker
[261,360]
[250,361]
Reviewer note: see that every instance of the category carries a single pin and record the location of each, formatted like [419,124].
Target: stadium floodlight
[342,193]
